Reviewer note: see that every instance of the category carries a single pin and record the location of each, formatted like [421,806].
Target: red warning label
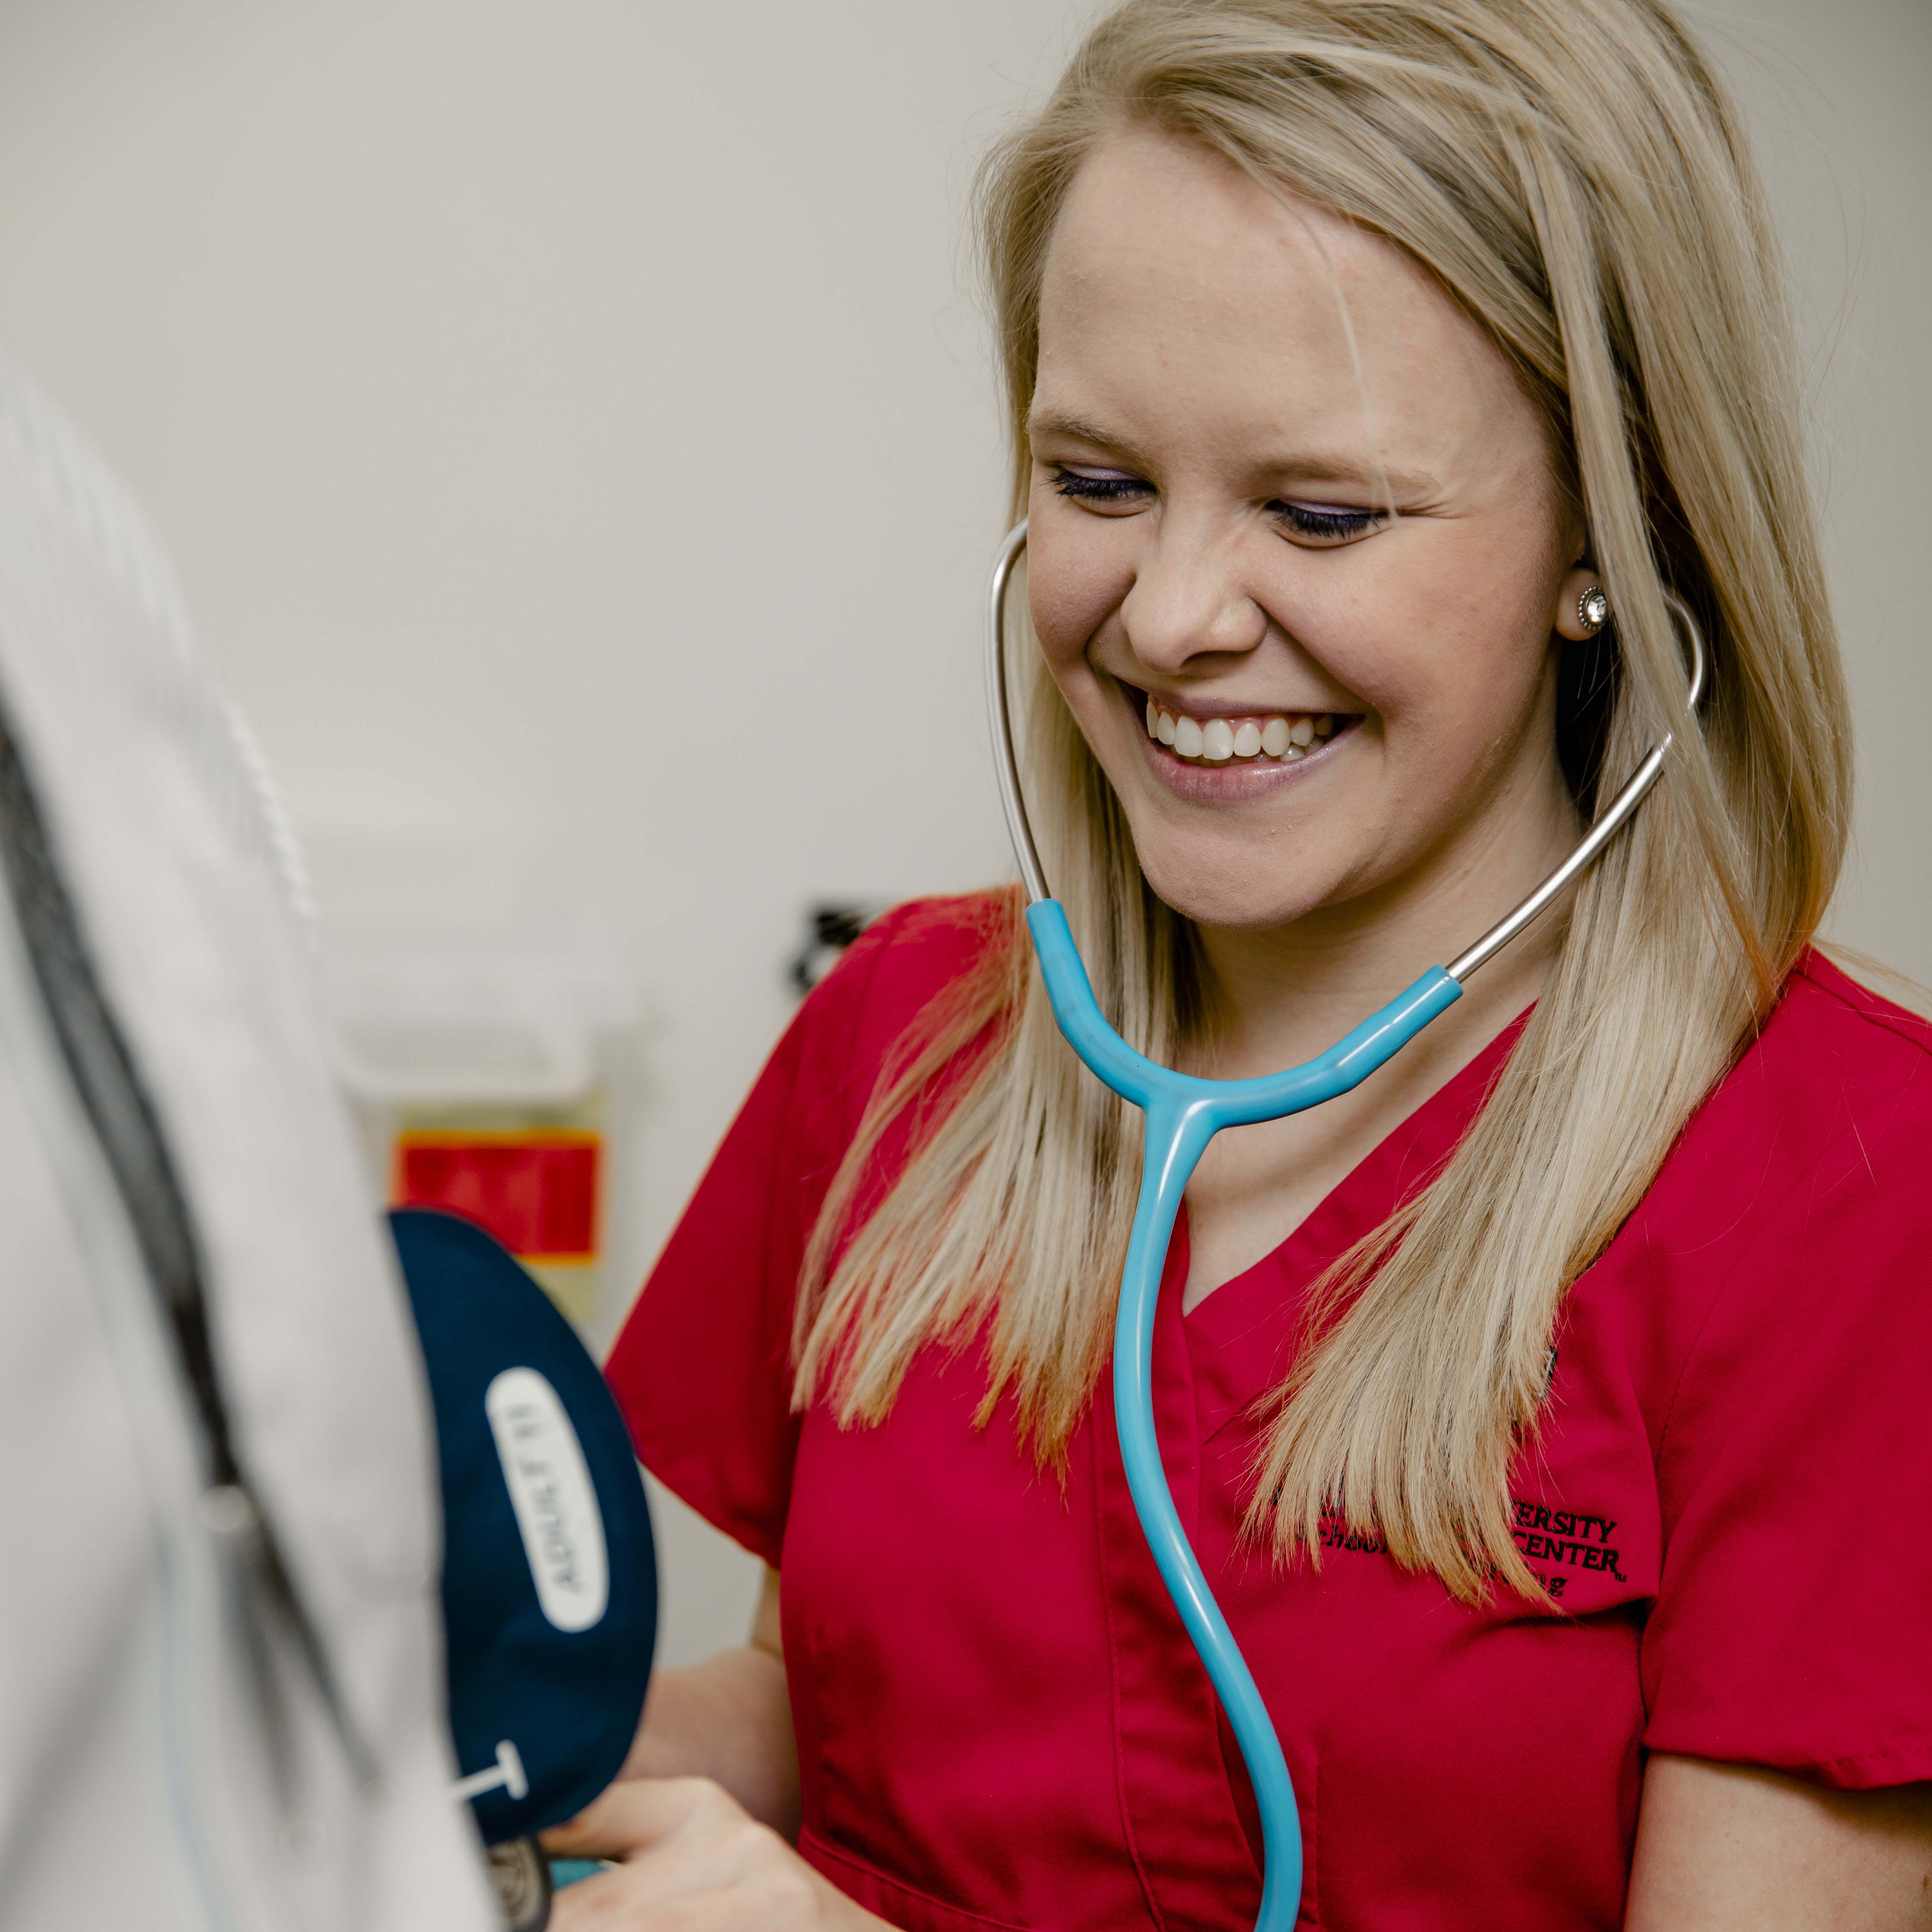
[536,1192]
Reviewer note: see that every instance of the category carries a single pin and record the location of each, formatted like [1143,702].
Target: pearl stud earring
[1593,609]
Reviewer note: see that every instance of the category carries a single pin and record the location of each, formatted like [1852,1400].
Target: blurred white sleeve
[152,1773]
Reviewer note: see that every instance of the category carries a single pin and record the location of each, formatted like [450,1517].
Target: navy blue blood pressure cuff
[549,1576]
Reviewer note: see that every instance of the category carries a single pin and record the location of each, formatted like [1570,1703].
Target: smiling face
[1311,709]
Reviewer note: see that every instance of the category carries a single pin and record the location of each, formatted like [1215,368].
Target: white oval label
[550,1492]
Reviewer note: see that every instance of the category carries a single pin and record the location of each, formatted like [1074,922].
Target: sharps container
[486,1068]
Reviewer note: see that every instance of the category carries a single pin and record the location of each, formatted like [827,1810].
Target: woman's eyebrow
[1058,423]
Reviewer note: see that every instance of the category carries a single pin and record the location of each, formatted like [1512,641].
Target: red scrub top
[1000,1721]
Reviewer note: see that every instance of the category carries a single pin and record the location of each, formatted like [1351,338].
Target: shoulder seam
[1886,1022]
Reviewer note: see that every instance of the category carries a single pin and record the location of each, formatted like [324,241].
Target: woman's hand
[693,1860]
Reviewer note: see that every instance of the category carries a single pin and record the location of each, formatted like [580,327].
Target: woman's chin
[1248,902]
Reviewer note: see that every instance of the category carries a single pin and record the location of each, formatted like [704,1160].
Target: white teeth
[1219,739]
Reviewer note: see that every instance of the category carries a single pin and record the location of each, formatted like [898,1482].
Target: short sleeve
[1792,1628]
[702,1368]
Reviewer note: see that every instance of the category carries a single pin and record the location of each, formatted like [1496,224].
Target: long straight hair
[1572,173]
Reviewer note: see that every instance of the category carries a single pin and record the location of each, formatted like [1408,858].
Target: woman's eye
[1326,523]
[1100,487]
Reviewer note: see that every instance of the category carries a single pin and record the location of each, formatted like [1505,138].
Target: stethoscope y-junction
[1184,1114]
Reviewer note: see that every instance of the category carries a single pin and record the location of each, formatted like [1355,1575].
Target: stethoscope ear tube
[1183,1114]
[1000,715]
[1603,828]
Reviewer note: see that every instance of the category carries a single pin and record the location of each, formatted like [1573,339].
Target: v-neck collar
[1240,1338]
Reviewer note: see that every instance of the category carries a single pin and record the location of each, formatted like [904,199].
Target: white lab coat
[136,1789]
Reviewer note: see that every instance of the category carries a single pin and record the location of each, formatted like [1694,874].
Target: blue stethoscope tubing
[1183,1114]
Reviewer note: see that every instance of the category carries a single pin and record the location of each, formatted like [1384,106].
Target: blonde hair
[1571,171]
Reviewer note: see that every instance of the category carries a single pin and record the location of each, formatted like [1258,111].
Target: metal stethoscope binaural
[1183,1114]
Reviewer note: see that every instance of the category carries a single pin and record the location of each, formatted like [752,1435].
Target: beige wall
[574,425]
[1836,95]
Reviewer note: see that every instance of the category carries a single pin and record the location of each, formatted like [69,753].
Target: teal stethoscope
[1182,1115]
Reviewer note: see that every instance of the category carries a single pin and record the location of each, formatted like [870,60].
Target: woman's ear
[1582,608]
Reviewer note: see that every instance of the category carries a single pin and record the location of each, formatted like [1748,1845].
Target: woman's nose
[1188,601]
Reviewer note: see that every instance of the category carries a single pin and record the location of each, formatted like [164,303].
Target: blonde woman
[1549,1413]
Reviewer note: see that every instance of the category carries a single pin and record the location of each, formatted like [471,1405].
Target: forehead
[1179,292]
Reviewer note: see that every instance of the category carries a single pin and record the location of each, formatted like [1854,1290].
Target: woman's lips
[1234,755]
